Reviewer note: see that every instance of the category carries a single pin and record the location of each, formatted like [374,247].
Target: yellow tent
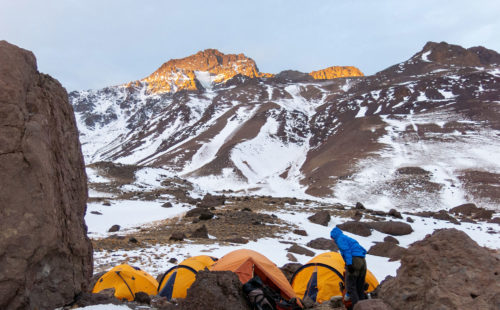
[127,280]
[176,281]
[320,277]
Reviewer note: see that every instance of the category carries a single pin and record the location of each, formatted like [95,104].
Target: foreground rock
[215,290]
[45,255]
[447,270]
[372,304]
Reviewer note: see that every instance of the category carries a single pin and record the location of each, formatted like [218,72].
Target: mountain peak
[201,70]
[336,72]
[451,54]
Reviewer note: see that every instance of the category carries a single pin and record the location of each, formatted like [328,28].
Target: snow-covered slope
[424,132]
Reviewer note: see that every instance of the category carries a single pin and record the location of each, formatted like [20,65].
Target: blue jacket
[348,247]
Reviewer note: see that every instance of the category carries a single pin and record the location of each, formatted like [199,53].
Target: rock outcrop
[446,270]
[45,255]
[336,72]
[200,71]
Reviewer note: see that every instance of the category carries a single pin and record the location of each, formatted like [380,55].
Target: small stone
[300,232]
[106,203]
[173,260]
[96,212]
[239,240]
[132,240]
[291,257]
[177,236]
[409,220]
[359,206]
[394,213]
[167,205]
[246,209]
[200,232]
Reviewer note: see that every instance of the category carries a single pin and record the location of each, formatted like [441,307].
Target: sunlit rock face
[201,70]
[336,72]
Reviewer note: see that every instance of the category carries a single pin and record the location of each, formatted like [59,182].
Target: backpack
[258,295]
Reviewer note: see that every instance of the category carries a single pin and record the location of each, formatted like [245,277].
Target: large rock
[357,228]
[215,290]
[45,255]
[392,228]
[297,249]
[387,249]
[321,218]
[323,244]
[446,270]
[371,304]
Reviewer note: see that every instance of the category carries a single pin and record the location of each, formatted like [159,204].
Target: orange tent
[247,263]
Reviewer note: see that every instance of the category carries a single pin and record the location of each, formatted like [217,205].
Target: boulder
[215,290]
[321,218]
[45,254]
[323,244]
[392,228]
[357,228]
[371,304]
[297,249]
[387,249]
[446,270]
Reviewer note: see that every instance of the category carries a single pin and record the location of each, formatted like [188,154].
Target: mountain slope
[430,123]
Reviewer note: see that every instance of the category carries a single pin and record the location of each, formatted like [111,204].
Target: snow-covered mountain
[424,132]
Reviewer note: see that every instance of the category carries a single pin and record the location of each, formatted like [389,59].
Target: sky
[89,44]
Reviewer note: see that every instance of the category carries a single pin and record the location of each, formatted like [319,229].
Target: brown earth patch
[481,185]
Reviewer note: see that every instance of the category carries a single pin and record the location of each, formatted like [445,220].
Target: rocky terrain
[208,155]
[45,254]
[419,134]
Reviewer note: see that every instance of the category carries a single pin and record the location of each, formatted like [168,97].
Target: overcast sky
[96,43]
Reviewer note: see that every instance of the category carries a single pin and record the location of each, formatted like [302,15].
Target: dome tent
[176,281]
[320,277]
[247,264]
[127,281]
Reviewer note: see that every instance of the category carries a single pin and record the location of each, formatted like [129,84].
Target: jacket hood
[335,233]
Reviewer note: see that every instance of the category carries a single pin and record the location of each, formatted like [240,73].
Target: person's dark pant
[355,281]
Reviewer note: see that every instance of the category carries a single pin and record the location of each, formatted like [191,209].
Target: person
[354,257]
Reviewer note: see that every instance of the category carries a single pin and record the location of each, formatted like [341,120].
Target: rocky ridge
[328,132]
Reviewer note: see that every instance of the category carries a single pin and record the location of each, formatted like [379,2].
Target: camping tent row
[319,279]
